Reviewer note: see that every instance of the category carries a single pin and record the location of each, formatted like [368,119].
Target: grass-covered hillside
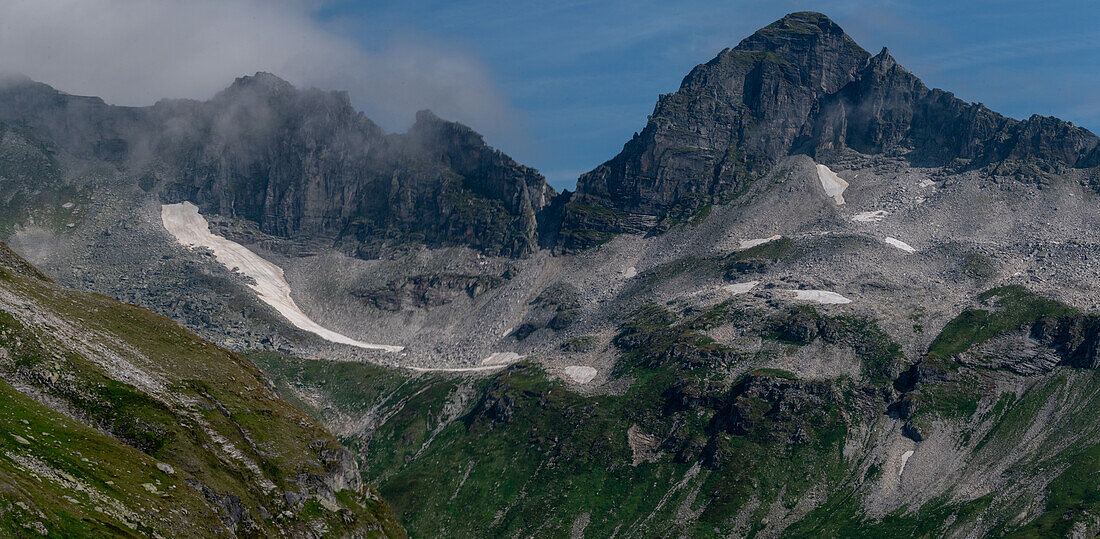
[119,422]
[706,440]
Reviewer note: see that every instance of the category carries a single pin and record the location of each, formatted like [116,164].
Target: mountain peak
[809,53]
[800,85]
[800,22]
[752,99]
[799,30]
[427,117]
[883,61]
[262,82]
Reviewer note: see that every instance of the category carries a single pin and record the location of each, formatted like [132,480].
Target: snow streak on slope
[740,288]
[870,216]
[820,296]
[748,244]
[191,229]
[900,245]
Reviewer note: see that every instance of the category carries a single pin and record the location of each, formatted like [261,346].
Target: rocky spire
[731,119]
[798,85]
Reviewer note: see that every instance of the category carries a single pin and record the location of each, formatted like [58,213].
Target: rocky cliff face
[888,109]
[302,165]
[800,85]
[731,117]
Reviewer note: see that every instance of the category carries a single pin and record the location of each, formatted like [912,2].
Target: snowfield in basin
[581,374]
[192,230]
[748,244]
[833,185]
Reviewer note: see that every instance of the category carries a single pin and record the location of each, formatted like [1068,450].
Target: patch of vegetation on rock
[1009,308]
[760,258]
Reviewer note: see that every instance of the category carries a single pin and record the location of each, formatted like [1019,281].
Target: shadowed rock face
[303,165]
[731,117]
[799,85]
[887,109]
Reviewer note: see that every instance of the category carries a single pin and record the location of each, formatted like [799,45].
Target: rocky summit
[798,86]
[811,297]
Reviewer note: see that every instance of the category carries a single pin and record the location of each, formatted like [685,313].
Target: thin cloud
[134,52]
[1014,49]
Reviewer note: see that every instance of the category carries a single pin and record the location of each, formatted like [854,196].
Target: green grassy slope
[691,448]
[684,450]
[64,478]
[242,461]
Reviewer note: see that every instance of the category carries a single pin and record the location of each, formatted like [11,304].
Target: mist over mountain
[135,52]
[301,164]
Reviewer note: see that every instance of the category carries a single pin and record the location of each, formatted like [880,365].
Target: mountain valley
[811,297]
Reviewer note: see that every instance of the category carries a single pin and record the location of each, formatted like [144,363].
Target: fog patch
[134,52]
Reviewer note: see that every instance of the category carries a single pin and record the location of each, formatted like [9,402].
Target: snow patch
[496,360]
[834,186]
[904,459]
[630,272]
[926,183]
[740,288]
[870,216]
[457,369]
[747,244]
[192,230]
[580,373]
[900,245]
[68,205]
[501,358]
[820,296]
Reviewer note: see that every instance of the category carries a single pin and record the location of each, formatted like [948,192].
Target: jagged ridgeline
[115,421]
[304,165]
[299,164]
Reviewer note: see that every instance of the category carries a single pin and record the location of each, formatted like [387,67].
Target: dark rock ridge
[301,164]
[799,85]
[306,167]
[887,109]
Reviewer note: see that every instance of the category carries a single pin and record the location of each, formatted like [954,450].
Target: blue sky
[582,76]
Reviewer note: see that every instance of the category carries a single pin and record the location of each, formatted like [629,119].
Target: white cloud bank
[134,52]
